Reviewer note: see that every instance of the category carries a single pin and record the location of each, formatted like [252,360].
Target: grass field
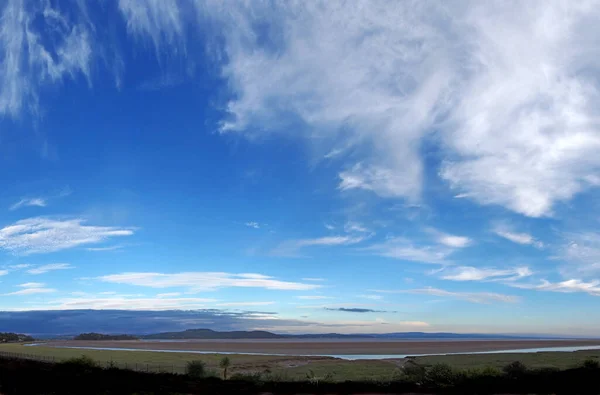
[560,360]
[291,368]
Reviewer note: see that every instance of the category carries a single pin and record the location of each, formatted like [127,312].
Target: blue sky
[303,167]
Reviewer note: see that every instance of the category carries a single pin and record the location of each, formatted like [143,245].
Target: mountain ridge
[208,334]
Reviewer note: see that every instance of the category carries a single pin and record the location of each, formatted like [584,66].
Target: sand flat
[329,347]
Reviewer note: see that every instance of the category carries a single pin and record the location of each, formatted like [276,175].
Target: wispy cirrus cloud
[50,267]
[36,202]
[107,248]
[506,232]
[566,286]
[31,288]
[244,304]
[126,303]
[254,225]
[469,273]
[404,249]
[581,253]
[315,279]
[313,297]
[41,235]
[356,310]
[449,240]
[292,248]
[475,297]
[28,62]
[204,281]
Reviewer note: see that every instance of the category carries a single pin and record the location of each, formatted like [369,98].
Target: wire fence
[136,366]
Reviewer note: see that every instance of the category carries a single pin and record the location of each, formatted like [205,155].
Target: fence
[136,366]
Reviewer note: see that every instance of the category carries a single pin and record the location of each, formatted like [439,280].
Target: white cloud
[32,289]
[516,237]
[28,61]
[468,273]
[244,304]
[32,285]
[352,227]
[49,267]
[329,227]
[204,281]
[168,294]
[372,297]
[313,279]
[475,297]
[108,248]
[400,68]
[291,248]
[4,272]
[510,88]
[38,202]
[449,240]
[20,266]
[125,303]
[313,297]
[567,286]
[254,225]
[581,253]
[41,235]
[455,241]
[401,248]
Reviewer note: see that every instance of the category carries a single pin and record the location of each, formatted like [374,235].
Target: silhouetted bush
[413,373]
[83,362]
[515,369]
[441,375]
[196,369]
[591,363]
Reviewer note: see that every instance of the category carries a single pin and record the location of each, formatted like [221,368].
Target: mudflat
[329,347]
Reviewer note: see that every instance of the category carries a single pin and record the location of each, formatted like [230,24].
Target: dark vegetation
[9,337]
[100,336]
[83,376]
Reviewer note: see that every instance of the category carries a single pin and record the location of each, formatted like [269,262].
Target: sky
[300,167]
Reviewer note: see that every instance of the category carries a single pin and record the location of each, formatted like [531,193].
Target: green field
[292,368]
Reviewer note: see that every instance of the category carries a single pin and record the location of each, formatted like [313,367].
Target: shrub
[83,361]
[440,375]
[413,372]
[515,369]
[591,363]
[196,369]
[250,377]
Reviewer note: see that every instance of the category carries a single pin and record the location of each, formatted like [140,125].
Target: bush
[413,372]
[440,375]
[196,369]
[83,361]
[515,369]
[250,377]
[591,363]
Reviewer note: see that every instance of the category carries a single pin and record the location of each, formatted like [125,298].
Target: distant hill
[210,334]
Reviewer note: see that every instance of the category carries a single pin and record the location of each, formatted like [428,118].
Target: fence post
[136,367]
[147,368]
[173,368]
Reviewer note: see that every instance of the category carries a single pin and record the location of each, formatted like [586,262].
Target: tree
[224,364]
